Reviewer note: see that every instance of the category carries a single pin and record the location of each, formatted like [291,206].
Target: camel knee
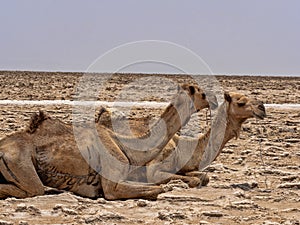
[204,180]
[36,192]
[110,196]
[11,190]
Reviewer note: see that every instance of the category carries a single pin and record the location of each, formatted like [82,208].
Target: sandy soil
[256,179]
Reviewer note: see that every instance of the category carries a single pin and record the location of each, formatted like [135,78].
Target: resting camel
[184,157]
[46,153]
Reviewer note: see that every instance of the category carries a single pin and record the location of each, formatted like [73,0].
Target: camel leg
[115,169]
[8,190]
[204,178]
[129,190]
[161,172]
[162,177]
[18,170]
[118,187]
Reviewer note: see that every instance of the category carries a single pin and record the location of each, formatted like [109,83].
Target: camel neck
[203,140]
[144,148]
[166,127]
[232,130]
[223,129]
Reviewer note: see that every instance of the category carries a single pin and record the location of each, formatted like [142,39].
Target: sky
[232,36]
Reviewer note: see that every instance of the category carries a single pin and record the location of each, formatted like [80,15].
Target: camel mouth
[260,116]
[259,110]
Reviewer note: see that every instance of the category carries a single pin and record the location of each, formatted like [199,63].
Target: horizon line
[155,73]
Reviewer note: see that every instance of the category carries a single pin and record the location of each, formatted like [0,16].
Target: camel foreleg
[19,178]
[130,190]
[204,178]
[162,177]
[161,172]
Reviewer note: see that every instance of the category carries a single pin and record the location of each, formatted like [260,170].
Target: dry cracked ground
[255,180]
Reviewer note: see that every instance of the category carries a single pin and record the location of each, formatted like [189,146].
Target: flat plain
[255,180]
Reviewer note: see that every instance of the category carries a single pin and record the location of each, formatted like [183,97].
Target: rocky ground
[256,179]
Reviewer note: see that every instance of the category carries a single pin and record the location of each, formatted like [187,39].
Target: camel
[184,158]
[46,153]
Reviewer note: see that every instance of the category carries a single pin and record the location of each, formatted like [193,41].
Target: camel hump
[36,120]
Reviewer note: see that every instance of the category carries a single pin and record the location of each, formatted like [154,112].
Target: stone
[215,167]
[289,185]
[289,178]
[227,151]
[23,223]
[101,201]
[293,140]
[212,213]
[244,204]
[69,211]
[245,186]
[171,216]
[58,207]
[285,154]
[246,152]
[21,207]
[142,203]
[33,210]
[239,194]
[3,222]
[270,223]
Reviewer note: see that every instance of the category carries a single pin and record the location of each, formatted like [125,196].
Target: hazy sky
[232,36]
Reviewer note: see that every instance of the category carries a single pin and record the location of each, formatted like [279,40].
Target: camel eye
[241,104]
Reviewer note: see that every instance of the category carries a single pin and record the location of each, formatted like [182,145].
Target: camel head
[195,96]
[242,107]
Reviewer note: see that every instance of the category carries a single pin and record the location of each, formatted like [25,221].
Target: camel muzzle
[260,110]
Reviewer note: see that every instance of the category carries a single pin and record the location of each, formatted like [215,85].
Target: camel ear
[227,97]
[192,90]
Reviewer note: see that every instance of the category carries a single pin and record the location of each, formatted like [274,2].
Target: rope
[260,135]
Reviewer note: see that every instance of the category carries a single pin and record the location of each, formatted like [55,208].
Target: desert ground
[255,180]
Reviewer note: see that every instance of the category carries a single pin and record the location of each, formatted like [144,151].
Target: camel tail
[35,121]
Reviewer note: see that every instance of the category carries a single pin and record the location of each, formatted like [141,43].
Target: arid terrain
[255,180]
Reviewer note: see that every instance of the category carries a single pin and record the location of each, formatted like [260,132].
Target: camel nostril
[261,107]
